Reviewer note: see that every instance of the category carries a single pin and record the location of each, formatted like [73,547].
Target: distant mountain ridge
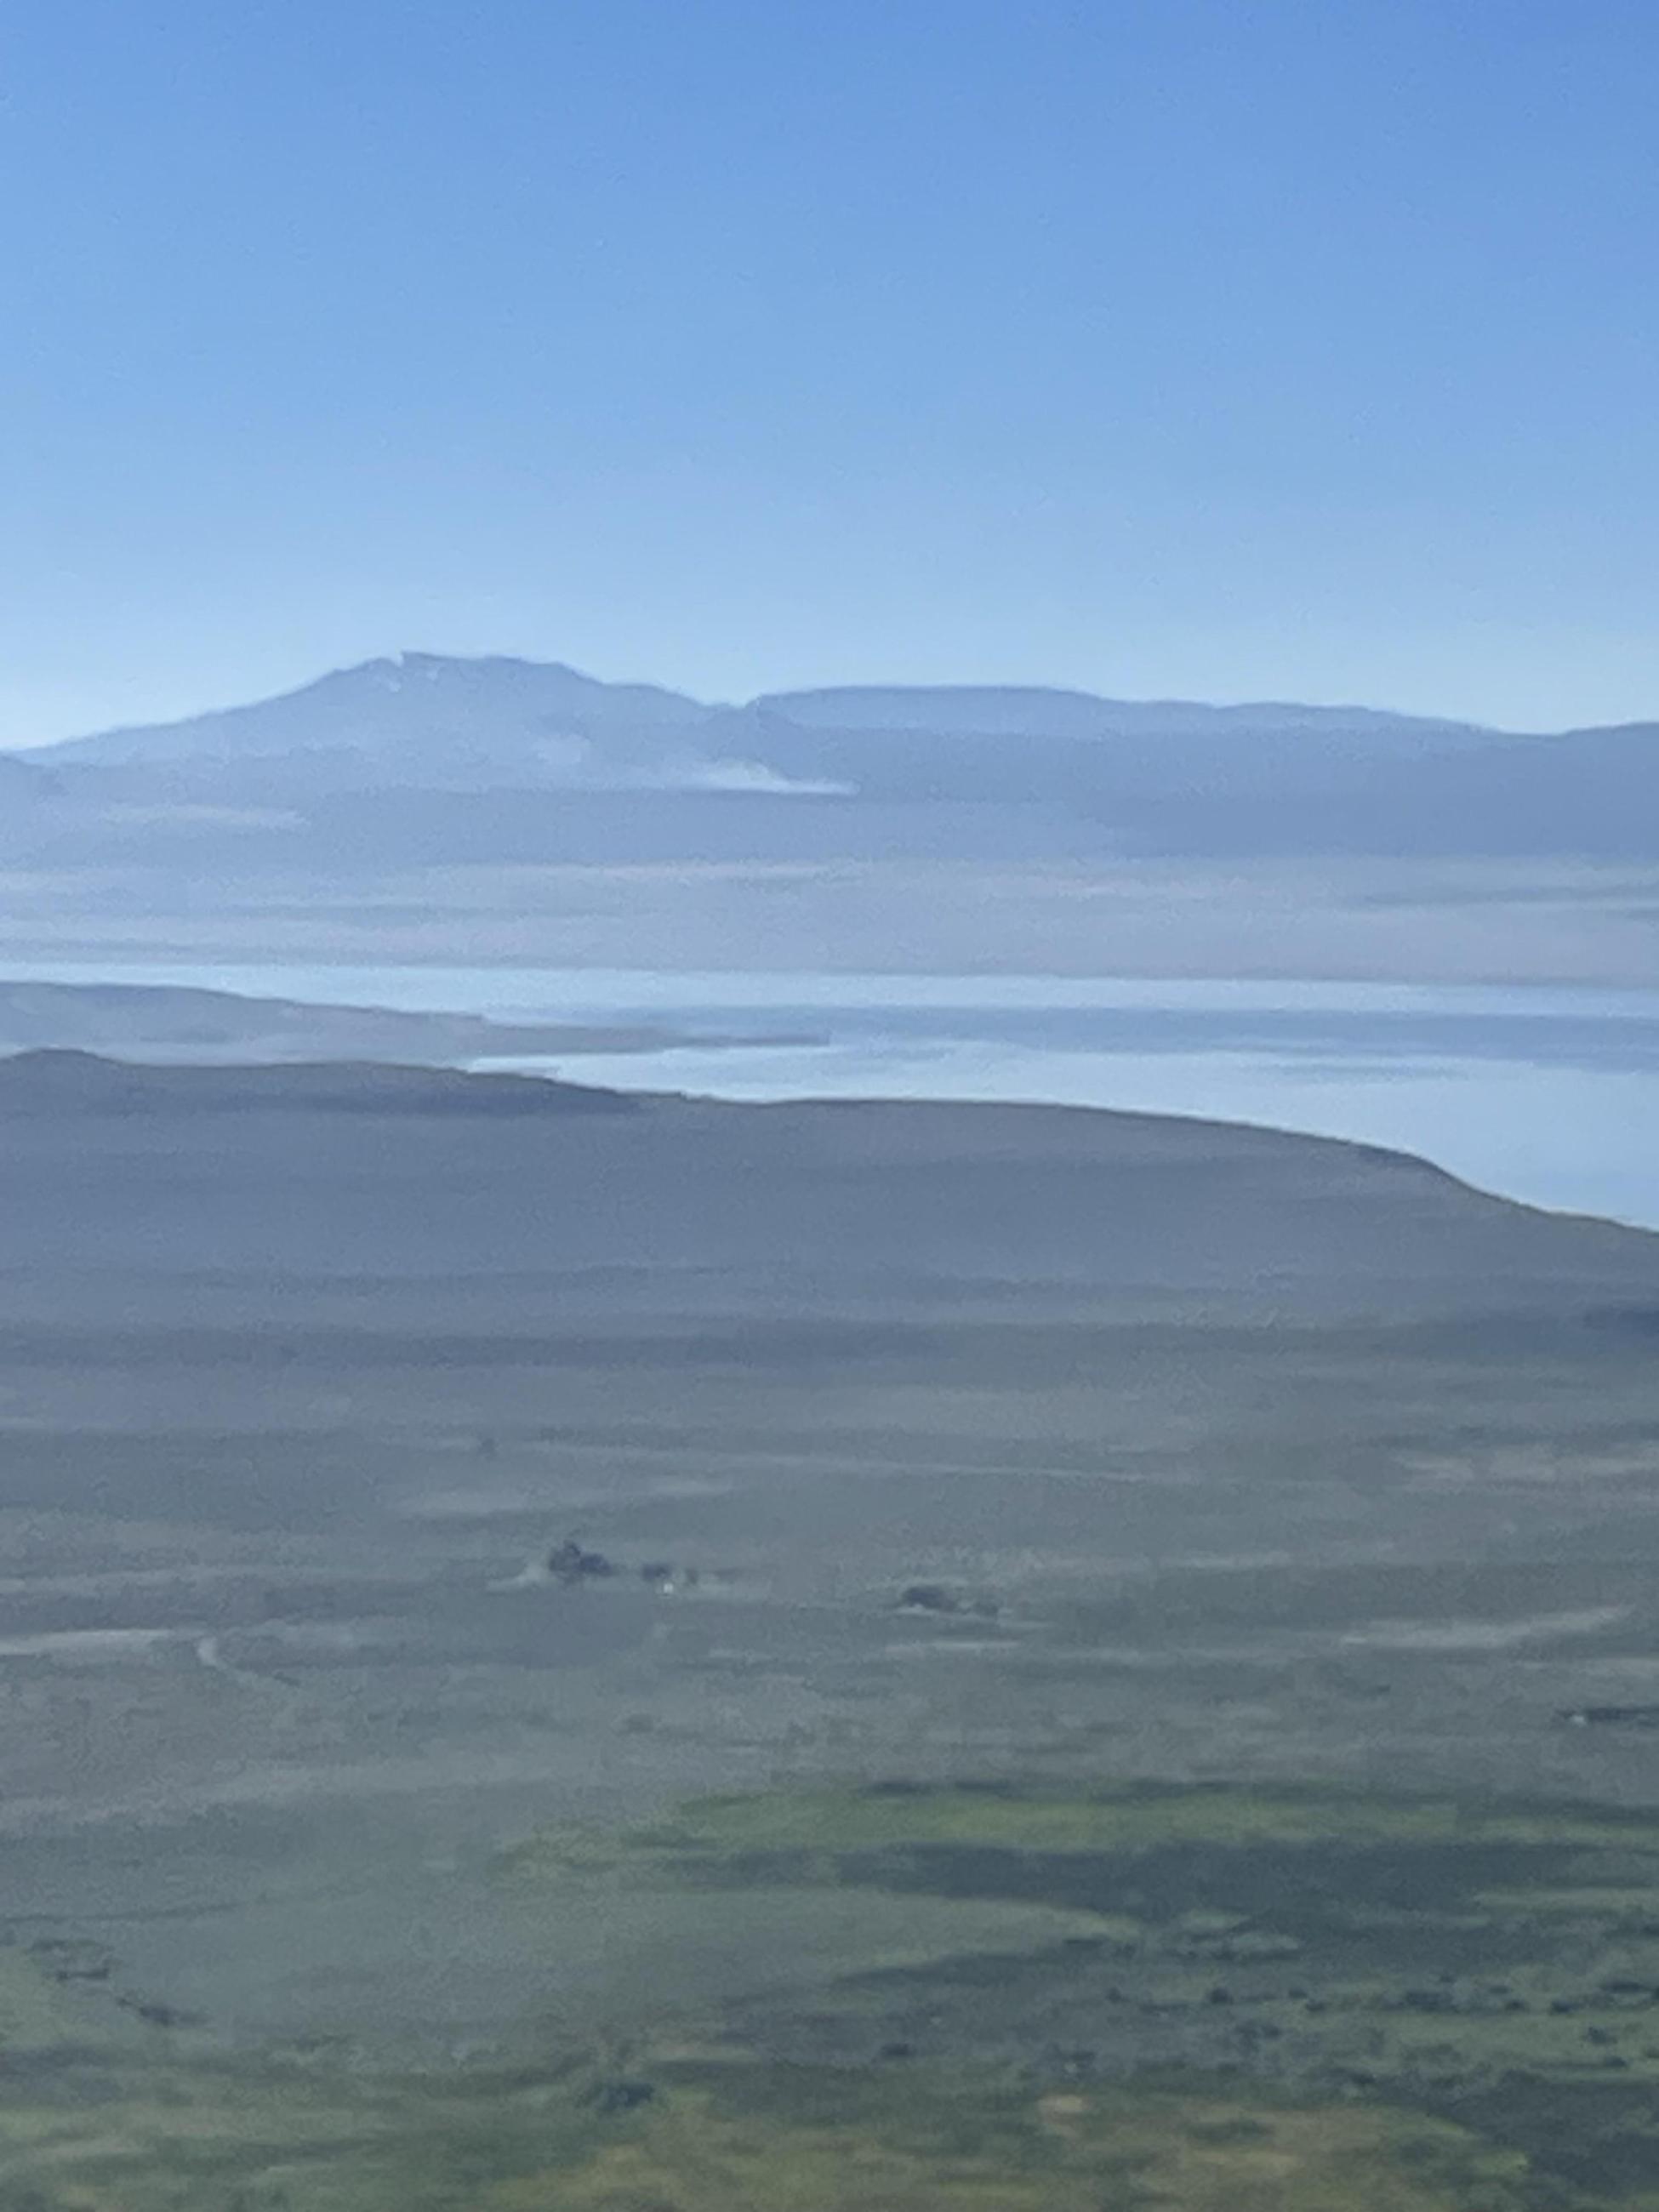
[412,698]
[424,758]
[1016,710]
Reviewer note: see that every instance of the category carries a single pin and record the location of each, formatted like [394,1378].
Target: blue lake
[1548,1095]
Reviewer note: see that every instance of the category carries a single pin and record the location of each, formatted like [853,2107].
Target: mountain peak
[422,708]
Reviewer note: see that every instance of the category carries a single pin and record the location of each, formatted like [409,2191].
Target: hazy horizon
[851,679]
[146,706]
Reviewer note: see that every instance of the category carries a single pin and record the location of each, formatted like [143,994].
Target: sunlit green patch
[784,2142]
[206,2138]
[741,2138]
[804,1828]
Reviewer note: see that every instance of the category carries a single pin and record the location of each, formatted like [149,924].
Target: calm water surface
[1547,1094]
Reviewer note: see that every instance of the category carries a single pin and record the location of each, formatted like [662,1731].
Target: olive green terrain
[1279,1998]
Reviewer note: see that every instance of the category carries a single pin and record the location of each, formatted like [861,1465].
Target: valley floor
[287,1698]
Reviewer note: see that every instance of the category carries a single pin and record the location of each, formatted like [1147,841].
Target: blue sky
[1159,346]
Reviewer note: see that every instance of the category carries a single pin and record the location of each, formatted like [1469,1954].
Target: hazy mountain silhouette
[412,715]
[1009,711]
[366,767]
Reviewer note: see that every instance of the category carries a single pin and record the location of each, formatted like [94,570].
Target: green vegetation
[1276,2002]
[776,2141]
[733,2138]
[1454,1959]
[819,1823]
[171,2137]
